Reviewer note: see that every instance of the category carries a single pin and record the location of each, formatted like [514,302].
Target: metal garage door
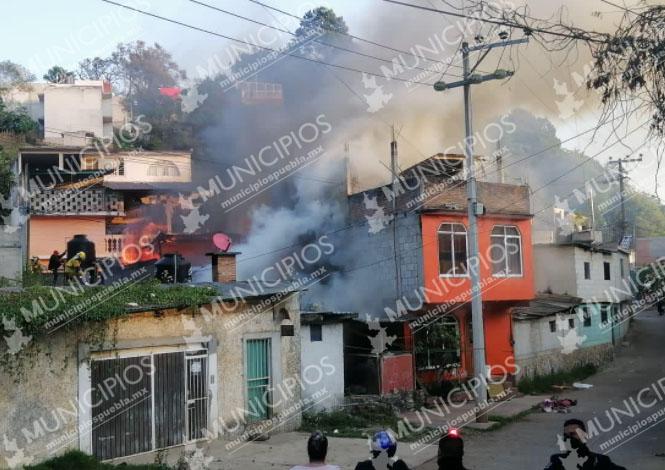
[258,379]
[148,402]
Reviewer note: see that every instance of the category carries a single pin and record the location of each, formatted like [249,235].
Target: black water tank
[169,264]
[81,243]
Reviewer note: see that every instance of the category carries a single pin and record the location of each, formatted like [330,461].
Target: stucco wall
[554,269]
[48,233]
[72,109]
[43,405]
[330,353]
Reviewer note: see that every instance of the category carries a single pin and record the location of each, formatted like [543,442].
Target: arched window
[452,250]
[506,251]
[163,169]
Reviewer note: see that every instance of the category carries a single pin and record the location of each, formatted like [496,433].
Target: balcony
[77,202]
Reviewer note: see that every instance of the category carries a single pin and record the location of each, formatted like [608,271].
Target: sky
[64,33]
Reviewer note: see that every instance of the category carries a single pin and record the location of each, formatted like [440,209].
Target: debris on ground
[554,405]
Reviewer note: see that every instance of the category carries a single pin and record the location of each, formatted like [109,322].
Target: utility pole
[393,187]
[619,162]
[474,208]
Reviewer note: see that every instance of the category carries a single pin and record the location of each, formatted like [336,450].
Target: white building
[322,350]
[71,114]
[583,288]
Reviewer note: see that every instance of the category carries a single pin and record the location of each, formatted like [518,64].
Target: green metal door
[258,379]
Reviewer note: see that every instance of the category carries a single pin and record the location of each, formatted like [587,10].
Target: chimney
[223,266]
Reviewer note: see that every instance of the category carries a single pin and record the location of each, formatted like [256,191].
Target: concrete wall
[44,405]
[330,352]
[560,269]
[48,233]
[11,265]
[138,167]
[75,109]
[554,269]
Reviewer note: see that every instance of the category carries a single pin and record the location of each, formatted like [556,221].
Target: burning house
[132,204]
[416,292]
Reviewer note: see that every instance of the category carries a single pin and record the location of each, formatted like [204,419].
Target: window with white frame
[452,250]
[506,251]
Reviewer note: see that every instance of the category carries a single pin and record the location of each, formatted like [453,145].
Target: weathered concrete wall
[318,358]
[11,266]
[553,360]
[42,408]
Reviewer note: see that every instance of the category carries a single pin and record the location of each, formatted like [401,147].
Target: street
[529,442]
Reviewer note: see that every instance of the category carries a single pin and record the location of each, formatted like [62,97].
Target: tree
[57,74]
[137,72]
[13,75]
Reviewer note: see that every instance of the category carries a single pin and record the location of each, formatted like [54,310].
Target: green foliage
[545,383]
[100,303]
[57,74]
[137,72]
[14,76]
[75,459]
[360,421]
[16,121]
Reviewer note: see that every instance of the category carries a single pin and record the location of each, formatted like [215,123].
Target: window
[571,323]
[606,270]
[437,345]
[506,251]
[315,332]
[452,250]
[603,313]
[586,316]
[163,169]
[89,163]
[553,326]
[587,270]
[621,268]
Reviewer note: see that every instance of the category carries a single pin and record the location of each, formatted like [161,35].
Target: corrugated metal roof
[545,305]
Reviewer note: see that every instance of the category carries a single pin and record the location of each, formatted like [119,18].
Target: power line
[510,24]
[269,49]
[327,44]
[358,38]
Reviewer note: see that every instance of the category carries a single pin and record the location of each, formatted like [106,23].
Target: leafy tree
[138,71]
[13,75]
[57,74]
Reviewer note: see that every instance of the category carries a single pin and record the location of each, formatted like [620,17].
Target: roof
[545,305]
[326,317]
[249,289]
[143,186]
[607,248]
[498,198]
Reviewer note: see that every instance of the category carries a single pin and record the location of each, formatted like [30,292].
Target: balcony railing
[72,201]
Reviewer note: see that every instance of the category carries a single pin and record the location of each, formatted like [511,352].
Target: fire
[138,243]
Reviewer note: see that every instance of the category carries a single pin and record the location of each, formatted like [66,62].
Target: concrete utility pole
[474,208]
[622,176]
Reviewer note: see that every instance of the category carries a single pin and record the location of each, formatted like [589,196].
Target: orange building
[417,249]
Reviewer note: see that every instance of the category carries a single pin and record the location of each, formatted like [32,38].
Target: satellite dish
[222,241]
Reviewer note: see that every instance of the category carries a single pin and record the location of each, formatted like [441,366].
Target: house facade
[76,180]
[595,277]
[159,378]
[418,249]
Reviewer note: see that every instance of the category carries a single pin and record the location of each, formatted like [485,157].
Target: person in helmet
[383,449]
[73,266]
[317,449]
[451,451]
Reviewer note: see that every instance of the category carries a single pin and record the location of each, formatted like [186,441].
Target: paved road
[528,443]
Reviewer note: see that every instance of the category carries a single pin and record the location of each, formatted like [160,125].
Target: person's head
[384,441]
[574,430]
[317,447]
[55,252]
[451,450]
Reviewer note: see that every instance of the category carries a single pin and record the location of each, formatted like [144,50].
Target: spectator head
[574,430]
[317,447]
[384,441]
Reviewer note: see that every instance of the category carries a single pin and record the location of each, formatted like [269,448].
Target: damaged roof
[545,305]
[326,317]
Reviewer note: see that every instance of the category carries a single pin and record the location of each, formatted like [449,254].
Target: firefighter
[383,448]
[451,451]
[73,266]
[54,263]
